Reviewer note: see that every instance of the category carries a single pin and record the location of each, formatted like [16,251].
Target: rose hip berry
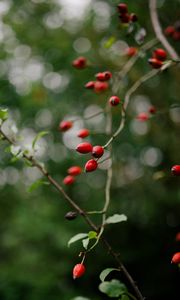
[89,85]
[176,170]
[78,270]
[65,125]
[114,100]
[97,151]
[71,215]
[143,116]
[177,238]
[152,110]
[74,170]
[83,133]
[122,7]
[176,258]
[80,62]
[100,86]
[169,30]
[104,76]
[91,165]
[133,17]
[160,54]
[68,180]
[155,63]
[84,148]
[131,51]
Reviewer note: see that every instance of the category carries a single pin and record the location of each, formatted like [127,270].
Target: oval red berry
[91,165]
[78,270]
[84,148]
[74,170]
[65,125]
[97,151]
[176,258]
[83,133]
[68,180]
[176,170]
[114,100]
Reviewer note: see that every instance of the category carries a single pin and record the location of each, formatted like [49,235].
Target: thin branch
[158,31]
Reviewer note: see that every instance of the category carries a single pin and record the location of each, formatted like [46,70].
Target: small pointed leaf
[77,237]
[85,243]
[116,218]
[38,136]
[106,272]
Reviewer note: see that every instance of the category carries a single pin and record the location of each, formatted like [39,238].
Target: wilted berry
[71,215]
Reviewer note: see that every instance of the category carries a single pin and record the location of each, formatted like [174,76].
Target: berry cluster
[158,57]
[124,16]
[144,116]
[173,31]
[72,172]
[101,83]
[96,151]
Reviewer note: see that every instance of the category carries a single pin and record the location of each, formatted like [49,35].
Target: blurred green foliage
[39,40]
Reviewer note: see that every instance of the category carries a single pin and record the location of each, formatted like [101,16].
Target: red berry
[107,75]
[74,170]
[80,62]
[177,237]
[169,30]
[100,77]
[100,86]
[89,85]
[69,180]
[160,54]
[133,17]
[155,63]
[152,110]
[114,100]
[91,165]
[176,258]
[131,51]
[97,151]
[83,133]
[143,116]
[65,125]
[125,18]
[71,215]
[78,270]
[176,170]
[103,76]
[84,148]
[176,36]
[122,7]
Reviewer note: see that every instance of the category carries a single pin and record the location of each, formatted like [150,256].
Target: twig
[158,31]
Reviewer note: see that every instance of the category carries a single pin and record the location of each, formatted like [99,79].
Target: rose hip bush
[89,127]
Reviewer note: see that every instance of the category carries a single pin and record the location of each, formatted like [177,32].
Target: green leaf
[116,219]
[125,297]
[113,288]
[85,243]
[92,235]
[106,272]
[37,184]
[77,237]
[3,114]
[109,42]
[38,136]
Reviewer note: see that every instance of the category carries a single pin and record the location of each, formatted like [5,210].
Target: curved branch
[158,31]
